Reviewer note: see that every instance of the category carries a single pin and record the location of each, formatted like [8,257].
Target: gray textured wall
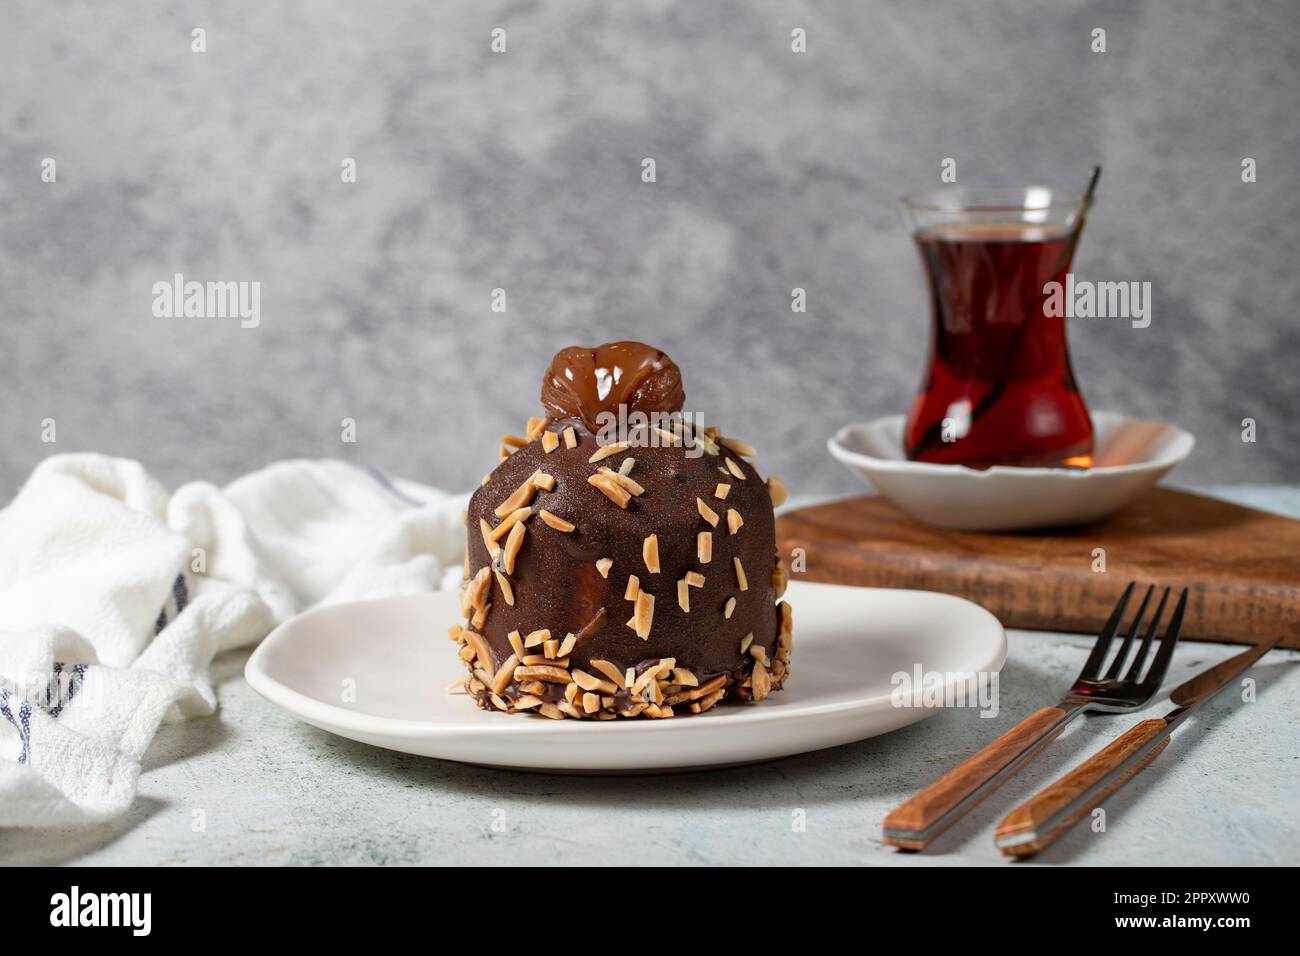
[522,171]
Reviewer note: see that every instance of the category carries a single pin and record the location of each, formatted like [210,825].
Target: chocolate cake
[621,558]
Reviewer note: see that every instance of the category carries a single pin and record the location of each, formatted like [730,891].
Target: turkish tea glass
[998,389]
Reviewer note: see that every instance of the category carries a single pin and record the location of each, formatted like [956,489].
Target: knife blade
[1039,821]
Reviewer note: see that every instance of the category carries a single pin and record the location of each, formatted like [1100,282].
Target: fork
[915,823]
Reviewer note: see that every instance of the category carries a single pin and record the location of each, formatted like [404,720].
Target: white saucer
[1131,456]
[848,643]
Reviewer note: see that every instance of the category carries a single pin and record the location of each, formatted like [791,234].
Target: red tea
[999,389]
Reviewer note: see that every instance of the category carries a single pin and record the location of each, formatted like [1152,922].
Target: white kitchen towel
[115,595]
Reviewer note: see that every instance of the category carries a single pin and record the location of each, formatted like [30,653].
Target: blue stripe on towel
[22,723]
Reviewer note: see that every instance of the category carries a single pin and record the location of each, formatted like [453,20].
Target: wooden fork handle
[1030,827]
[944,802]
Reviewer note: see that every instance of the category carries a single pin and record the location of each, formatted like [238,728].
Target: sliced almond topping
[457,684]
[645,613]
[611,489]
[509,521]
[516,643]
[477,589]
[542,672]
[489,541]
[532,687]
[622,480]
[566,707]
[721,491]
[629,676]
[643,683]
[480,616]
[592,683]
[780,578]
[481,650]
[453,632]
[531,659]
[742,448]
[684,595]
[735,469]
[704,546]
[537,638]
[734,520]
[707,513]
[514,542]
[590,702]
[650,553]
[519,497]
[465,573]
[551,648]
[777,490]
[554,521]
[514,441]
[745,641]
[571,691]
[760,683]
[535,426]
[570,437]
[729,608]
[626,467]
[633,588]
[550,710]
[667,436]
[610,671]
[543,481]
[695,579]
[503,675]
[527,702]
[712,686]
[566,646]
[684,678]
[606,451]
[741,582]
[507,591]
[551,441]
[759,653]
[603,566]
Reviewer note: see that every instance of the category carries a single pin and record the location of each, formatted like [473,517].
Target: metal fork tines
[1118,688]
[1110,692]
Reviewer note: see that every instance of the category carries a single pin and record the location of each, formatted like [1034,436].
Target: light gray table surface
[273,790]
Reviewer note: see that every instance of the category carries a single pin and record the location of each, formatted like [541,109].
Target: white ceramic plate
[848,643]
[1131,456]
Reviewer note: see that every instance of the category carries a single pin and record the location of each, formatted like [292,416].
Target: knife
[1038,822]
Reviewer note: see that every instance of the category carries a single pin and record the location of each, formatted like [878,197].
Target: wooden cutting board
[1241,566]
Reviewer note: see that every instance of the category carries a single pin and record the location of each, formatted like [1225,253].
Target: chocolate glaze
[556,583]
[583,382]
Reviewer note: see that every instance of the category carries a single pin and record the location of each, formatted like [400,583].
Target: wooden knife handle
[934,809]
[1033,815]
